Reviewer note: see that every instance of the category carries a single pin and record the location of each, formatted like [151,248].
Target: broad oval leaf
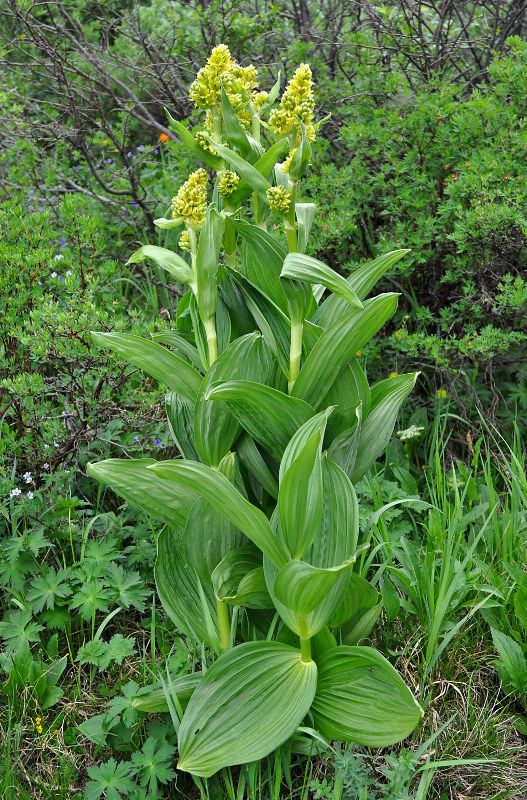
[301,587]
[262,259]
[332,350]
[157,361]
[268,415]
[180,416]
[222,495]
[300,498]
[251,700]
[131,479]
[300,267]
[361,698]
[238,579]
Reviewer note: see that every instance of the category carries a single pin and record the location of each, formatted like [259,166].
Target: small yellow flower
[220,69]
[184,241]
[278,199]
[39,728]
[398,334]
[227,183]
[441,394]
[394,374]
[190,203]
[38,720]
[201,138]
[358,353]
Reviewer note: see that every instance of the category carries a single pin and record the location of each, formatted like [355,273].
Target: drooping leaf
[168,260]
[305,213]
[300,267]
[264,166]
[222,495]
[186,138]
[155,702]
[248,172]
[332,350]
[179,340]
[251,700]
[361,698]
[269,416]
[131,479]
[239,579]
[190,606]
[361,281]
[155,360]
[253,461]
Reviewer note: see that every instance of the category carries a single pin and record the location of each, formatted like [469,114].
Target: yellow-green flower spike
[278,199]
[201,138]
[227,183]
[191,199]
[205,91]
[184,241]
[297,101]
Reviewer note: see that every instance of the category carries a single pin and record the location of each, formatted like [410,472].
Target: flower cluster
[413,432]
[297,101]
[184,241]
[190,203]
[227,182]
[279,199]
[38,724]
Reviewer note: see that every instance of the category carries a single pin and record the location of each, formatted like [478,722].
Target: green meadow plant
[275,422]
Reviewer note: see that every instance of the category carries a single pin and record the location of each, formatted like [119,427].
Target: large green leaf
[179,340]
[262,259]
[300,267]
[361,281]
[155,701]
[215,427]
[239,579]
[207,262]
[301,587]
[358,611]
[157,361]
[168,260]
[335,541]
[251,700]
[131,479]
[361,698]
[253,461]
[334,347]
[387,398]
[180,416]
[190,605]
[269,416]
[209,535]
[186,138]
[300,498]
[222,495]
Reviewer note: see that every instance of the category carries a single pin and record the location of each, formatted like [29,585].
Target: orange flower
[163,137]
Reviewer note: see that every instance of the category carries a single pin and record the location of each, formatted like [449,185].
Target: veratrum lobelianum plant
[275,421]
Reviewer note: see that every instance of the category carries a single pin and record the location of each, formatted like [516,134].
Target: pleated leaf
[180,416]
[155,360]
[262,259]
[239,579]
[332,350]
[224,497]
[361,281]
[138,485]
[167,260]
[300,267]
[186,138]
[210,237]
[300,498]
[302,587]
[269,416]
[215,427]
[155,702]
[377,429]
[190,605]
[253,461]
[179,342]
[251,700]
[361,698]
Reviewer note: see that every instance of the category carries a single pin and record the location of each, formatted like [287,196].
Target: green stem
[224,624]
[212,341]
[230,244]
[295,352]
[305,649]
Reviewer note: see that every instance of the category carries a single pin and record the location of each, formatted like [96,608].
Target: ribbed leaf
[248,172]
[300,267]
[239,579]
[305,213]
[262,259]
[236,135]
[190,606]
[333,349]
[179,341]
[210,237]
[378,426]
[215,427]
[253,461]
[131,479]
[361,698]
[155,360]
[336,539]
[269,416]
[301,437]
[180,416]
[264,166]
[166,259]
[361,281]
[155,702]
[186,138]
[222,495]
[358,611]
[251,700]
[300,498]
[301,587]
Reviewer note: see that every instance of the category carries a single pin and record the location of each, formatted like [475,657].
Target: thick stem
[212,341]
[305,649]
[224,624]
[295,352]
